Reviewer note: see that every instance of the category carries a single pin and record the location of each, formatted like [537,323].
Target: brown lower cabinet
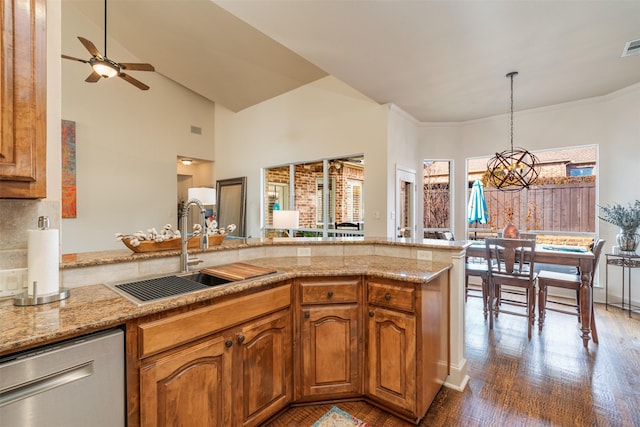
[232,363]
[189,386]
[227,364]
[264,382]
[329,313]
[391,361]
[407,347]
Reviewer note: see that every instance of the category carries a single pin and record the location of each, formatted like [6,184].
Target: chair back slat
[510,257]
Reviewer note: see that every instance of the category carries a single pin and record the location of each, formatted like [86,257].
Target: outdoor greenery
[625,217]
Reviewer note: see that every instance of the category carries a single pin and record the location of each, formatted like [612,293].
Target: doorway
[405,203]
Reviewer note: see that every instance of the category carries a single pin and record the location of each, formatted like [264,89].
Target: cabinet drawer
[392,296]
[172,331]
[330,291]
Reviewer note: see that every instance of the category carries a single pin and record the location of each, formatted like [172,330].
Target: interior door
[405,203]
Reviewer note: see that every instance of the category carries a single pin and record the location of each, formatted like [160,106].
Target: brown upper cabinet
[23,97]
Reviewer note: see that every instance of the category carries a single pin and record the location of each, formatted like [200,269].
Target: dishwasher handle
[39,385]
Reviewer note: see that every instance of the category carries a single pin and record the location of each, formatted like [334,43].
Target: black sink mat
[151,289]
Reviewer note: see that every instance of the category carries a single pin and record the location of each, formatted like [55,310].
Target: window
[354,201]
[276,191]
[320,202]
[573,170]
[436,197]
[300,186]
[562,201]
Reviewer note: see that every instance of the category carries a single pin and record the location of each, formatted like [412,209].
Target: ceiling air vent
[631,48]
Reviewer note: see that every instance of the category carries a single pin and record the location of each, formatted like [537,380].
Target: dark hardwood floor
[551,380]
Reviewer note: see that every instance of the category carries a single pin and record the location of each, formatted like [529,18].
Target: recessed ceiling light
[186,162]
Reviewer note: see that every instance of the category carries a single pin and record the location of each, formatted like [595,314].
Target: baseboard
[458,378]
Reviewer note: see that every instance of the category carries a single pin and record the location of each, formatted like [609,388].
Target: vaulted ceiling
[440,61]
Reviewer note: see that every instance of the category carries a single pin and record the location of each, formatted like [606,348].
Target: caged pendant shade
[513,169]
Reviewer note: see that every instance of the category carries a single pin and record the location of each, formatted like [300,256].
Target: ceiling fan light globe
[105,68]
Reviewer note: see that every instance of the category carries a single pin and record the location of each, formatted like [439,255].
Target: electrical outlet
[13,282]
[304,252]
[424,255]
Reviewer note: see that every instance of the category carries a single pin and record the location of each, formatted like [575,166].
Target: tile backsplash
[16,217]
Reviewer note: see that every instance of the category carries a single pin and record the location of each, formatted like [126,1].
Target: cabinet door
[329,338]
[391,357]
[189,387]
[23,99]
[265,366]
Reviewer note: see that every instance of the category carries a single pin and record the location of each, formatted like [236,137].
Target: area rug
[336,417]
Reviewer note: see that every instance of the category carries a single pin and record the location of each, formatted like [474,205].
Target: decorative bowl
[216,239]
[165,245]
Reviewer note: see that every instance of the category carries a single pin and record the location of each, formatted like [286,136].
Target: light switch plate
[424,255]
[13,282]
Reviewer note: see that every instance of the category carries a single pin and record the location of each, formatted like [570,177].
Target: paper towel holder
[24,298]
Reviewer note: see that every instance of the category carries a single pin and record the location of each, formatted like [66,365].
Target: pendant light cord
[511,75]
[511,132]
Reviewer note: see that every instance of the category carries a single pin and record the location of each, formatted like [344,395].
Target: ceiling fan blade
[136,66]
[136,83]
[93,77]
[74,59]
[93,50]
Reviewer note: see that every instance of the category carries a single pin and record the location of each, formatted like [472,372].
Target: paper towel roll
[43,261]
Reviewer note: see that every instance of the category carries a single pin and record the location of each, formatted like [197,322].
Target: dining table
[561,255]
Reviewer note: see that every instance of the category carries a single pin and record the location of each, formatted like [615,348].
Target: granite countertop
[96,307]
[88,259]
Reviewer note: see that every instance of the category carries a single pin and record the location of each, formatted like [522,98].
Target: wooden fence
[548,208]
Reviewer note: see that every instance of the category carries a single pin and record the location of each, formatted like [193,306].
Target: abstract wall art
[68,169]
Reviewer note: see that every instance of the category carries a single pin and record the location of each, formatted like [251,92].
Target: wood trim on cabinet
[329,291]
[23,80]
[386,293]
[160,335]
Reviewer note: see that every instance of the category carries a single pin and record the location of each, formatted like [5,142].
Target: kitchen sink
[205,279]
[156,288]
[149,290]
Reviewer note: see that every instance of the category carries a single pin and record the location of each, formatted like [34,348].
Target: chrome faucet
[184,255]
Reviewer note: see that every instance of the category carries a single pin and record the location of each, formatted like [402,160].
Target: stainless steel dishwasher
[79,382]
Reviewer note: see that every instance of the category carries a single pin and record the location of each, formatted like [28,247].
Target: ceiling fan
[106,68]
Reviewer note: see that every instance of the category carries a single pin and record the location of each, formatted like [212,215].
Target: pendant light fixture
[513,169]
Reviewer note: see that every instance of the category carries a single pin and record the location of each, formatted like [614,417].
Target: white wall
[323,119]
[127,143]
[402,152]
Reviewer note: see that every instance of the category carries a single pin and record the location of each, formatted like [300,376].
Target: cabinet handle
[228,343]
[240,339]
[307,315]
[387,297]
[330,294]
[371,314]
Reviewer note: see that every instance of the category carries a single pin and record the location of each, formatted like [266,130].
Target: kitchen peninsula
[354,289]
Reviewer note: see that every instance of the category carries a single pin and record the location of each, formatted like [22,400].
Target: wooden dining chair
[573,282]
[477,268]
[511,266]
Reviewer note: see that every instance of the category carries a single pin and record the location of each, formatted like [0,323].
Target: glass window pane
[563,199]
[276,191]
[344,195]
[437,196]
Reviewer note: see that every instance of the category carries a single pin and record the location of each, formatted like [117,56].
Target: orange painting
[68,169]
